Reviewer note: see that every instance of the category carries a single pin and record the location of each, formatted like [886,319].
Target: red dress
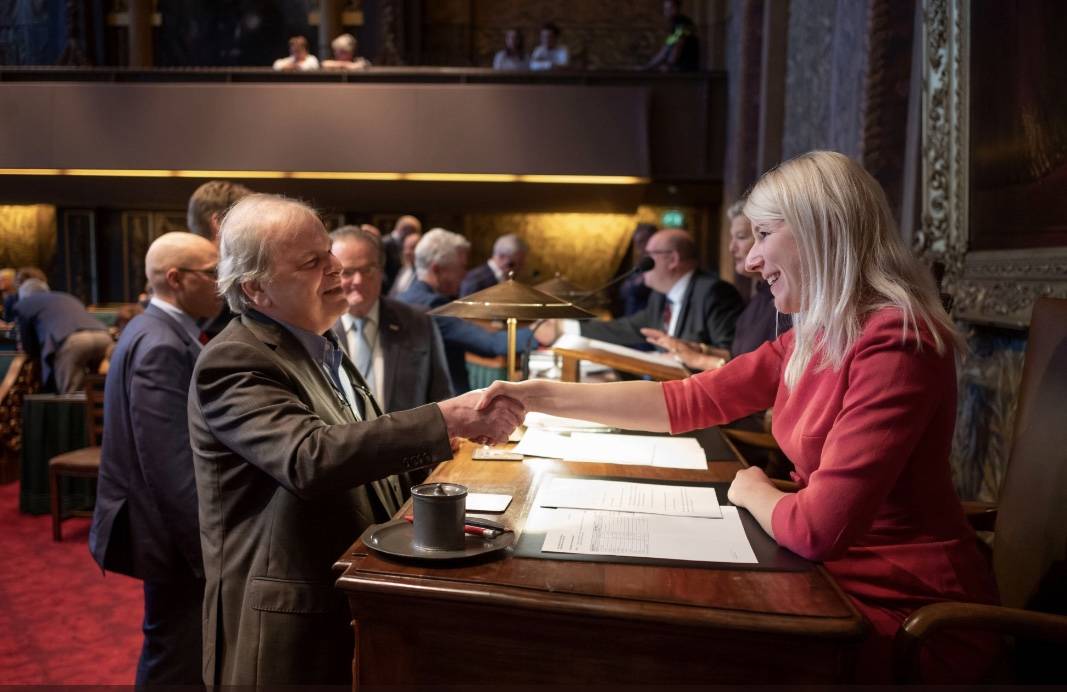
[870,442]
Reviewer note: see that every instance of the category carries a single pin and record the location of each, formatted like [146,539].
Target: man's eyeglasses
[210,272]
[364,272]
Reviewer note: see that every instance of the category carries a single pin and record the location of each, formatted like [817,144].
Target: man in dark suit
[57,328]
[287,445]
[207,205]
[396,348]
[393,246]
[145,520]
[685,303]
[440,263]
[509,255]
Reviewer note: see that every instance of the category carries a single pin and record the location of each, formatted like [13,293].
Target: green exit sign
[673,219]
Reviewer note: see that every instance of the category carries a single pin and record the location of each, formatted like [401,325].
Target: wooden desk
[569,371]
[508,621]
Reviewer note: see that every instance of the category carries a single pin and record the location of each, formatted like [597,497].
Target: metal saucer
[396,538]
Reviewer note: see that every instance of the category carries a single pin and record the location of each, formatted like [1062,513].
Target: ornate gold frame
[989,287]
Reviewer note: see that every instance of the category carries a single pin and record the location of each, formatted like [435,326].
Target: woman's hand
[691,355]
[752,490]
[519,391]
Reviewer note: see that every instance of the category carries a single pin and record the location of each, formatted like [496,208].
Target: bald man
[145,522]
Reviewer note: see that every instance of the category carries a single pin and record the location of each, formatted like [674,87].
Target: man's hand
[547,332]
[488,424]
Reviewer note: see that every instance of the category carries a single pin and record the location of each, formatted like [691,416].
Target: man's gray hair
[31,286]
[439,247]
[344,42]
[359,234]
[509,245]
[245,240]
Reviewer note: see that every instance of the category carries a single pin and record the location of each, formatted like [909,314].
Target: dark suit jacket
[460,335]
[280,470]
[477,279]
[413,353]
[392,249]
[46,320]
[145,521]
[709,311]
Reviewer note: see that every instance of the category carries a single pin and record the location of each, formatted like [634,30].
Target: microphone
[643,265]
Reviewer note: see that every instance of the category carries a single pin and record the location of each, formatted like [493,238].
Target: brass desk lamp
[511,301]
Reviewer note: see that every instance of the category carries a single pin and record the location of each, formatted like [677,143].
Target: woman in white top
[513,55]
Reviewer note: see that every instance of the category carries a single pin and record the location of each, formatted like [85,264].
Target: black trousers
[173,636]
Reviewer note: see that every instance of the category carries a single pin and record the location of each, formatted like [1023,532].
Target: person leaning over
[287,443]
[864,396]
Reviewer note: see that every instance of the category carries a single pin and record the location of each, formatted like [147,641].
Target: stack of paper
[580,343]
[614,448]
[558,424]
[599,517]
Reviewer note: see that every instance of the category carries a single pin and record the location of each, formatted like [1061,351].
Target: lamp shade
[510,299]
[561,287]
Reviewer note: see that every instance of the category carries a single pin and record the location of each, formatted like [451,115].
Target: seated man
[56,327]
[396,348]
[509,255]
[440,263]
[686,303]
[288,444]
[549,53]
[145,520]
[299,60]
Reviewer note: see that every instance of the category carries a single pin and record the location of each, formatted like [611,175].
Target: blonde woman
[864,396]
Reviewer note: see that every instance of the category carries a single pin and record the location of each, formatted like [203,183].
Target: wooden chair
[78,463]
[1030,539]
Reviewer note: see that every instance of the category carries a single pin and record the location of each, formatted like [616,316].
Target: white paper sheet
[695,539]
[614,448]
[581,343]
[487,502]
[543,421]
[623,496]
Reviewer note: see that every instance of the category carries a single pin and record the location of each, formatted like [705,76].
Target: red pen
[467,528]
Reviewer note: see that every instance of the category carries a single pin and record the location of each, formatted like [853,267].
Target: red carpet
[63,622]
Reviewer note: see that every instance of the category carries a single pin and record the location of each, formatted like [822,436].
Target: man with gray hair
[145,519]
[57,328]
[440,263]
[287,446]
[509,255]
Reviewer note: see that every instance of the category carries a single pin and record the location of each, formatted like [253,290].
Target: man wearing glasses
[145,521]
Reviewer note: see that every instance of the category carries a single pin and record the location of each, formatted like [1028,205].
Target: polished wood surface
[508,620]
[635,366]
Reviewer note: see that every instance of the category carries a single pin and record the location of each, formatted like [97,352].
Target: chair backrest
[1031,528]
[94,409]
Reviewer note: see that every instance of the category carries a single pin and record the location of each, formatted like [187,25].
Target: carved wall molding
[995,288]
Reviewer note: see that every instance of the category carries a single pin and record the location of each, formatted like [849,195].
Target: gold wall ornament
[27,235]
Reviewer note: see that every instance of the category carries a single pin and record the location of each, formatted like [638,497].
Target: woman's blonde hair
[852,259]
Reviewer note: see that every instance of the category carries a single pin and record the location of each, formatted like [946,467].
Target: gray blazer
[283,472]
[413,354]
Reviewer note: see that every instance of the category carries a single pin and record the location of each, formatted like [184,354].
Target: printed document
[623,496]
[695,539]
[614,448]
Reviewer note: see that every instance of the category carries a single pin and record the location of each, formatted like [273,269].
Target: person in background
[145,519]
[440,263]
[207,206]
[289,450]
[509,255]
[406,275]
[396,348]
[513,55]
[863,390]
[7,290]
[11,298]
[299,59]
[681,48]
[549,53]
[345,55]
[393,244]
[57,328]
[634,292]
[758,322]
[686,302]
[373,230]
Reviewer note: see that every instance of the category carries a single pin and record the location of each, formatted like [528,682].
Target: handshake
[482,416]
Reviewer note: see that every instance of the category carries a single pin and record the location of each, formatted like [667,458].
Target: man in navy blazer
[56,328]
[396,348]
[440,263]
[145,522]
[509,255]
